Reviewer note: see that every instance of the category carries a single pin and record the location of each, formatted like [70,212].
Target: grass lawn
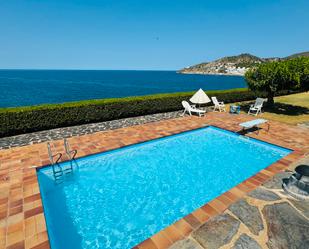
[292,109]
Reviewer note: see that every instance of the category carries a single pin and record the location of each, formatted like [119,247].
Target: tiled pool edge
[195,132]
[27,229]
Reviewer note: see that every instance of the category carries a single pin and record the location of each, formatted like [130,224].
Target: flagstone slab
[286,227]
[276,181]
[264,195]
[249,215]
[186,244]
[246,242]
[217,232]
[302,206]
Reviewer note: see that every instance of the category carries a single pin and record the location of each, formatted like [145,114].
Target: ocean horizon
[24,87]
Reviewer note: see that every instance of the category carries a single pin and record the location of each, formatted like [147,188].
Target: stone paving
[22,220]
[304,124]
[66,132]
[266,218]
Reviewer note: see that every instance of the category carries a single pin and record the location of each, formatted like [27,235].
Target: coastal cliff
[232,65]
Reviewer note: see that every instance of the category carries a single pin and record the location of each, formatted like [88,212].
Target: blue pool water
[119,198]
[33,87]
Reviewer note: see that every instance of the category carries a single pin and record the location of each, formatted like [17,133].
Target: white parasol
[200,97]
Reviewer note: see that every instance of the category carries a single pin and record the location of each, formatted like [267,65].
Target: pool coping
[30,202]
[182,227]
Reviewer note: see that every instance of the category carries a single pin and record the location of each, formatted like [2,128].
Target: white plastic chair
[188,108]
[218,105]
[256,108]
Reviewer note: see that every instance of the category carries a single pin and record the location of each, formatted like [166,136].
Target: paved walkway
[22,221]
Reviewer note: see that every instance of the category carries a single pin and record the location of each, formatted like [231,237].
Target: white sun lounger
[254,123]
[190,109]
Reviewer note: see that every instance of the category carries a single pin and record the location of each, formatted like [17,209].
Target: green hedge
[35,118]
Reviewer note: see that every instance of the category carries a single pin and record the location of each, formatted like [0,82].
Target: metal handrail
[51,156]
[70,153]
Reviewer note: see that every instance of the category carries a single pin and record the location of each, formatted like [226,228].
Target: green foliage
[35,118]
[279,75]
[298,70]
[19,120]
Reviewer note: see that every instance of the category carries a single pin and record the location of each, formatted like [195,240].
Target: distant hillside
[233,65]
[305,54]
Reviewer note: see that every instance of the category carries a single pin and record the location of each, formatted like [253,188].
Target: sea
[34,87]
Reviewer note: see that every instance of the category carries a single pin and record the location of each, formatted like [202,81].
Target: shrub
[35,118]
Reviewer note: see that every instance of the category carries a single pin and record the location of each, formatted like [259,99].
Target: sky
[144,34]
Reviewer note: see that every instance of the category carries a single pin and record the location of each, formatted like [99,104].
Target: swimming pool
[119,198]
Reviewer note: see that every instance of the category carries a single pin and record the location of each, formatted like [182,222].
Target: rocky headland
[233,65]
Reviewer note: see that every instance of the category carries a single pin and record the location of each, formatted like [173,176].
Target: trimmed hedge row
[20,120]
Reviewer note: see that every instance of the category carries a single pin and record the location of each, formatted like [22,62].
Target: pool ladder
[58,171]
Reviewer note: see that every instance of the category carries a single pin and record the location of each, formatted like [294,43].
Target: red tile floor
[22,222]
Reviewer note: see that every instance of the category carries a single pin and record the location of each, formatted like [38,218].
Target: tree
[272,77]
[299,72]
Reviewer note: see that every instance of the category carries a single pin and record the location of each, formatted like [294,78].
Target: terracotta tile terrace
[22,222]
